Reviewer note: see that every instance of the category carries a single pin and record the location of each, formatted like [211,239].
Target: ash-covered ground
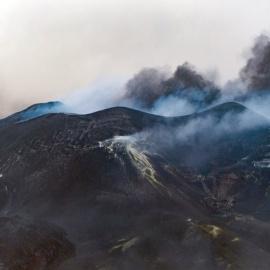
[123,189]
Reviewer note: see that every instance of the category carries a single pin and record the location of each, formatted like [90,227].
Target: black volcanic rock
[28,244]
[139,191]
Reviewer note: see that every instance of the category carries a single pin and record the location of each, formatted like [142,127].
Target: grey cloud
[150,85]
[51,48]
[256,73]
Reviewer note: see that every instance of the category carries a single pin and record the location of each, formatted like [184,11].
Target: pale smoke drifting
[102,94]
[197,129]
[185,91]
[152,90]
[156,91]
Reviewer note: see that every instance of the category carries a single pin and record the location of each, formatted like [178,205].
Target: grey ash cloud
[256,73]
[183,92]
[149,85]
[146,86]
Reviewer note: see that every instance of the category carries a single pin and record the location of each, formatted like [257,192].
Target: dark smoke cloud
[146,86]
[150,85]
[256,73]
[184,92]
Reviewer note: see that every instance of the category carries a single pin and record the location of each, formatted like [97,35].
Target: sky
[52,48]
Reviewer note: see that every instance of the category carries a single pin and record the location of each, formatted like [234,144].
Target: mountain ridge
[128,186]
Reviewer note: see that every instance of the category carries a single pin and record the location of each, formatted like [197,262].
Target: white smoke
[110,92]
[102,94]
[184,92]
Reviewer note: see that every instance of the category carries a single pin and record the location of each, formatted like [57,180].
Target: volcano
[124,189]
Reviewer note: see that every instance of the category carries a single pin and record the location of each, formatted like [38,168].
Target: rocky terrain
[123,189]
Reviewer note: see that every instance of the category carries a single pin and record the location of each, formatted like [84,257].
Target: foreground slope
[139,191]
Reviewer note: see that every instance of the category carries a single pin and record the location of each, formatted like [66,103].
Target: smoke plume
[150,85]
[157,91]
[256,73]
[146,86]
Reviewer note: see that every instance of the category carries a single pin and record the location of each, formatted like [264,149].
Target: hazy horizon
[49,49]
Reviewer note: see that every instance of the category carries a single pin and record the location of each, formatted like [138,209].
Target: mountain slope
[134,189]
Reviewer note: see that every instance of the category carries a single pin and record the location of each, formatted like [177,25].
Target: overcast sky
[49,48]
